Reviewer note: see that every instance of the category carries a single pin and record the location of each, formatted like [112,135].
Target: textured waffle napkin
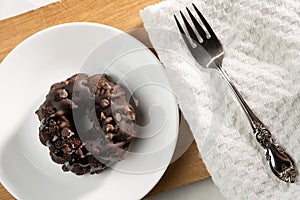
[262,47]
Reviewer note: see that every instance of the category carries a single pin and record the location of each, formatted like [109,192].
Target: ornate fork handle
[280,162]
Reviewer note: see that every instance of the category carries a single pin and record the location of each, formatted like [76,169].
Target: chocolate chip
[75,142]
[108,120]
[49,110]
[59,143]
[52,122]
[104,103]
[109,128]
[133,116]
[67,149]
[65,132]
[62,93]
[107,86]
[80,152]
[118,117]
[102,115]
[109,136]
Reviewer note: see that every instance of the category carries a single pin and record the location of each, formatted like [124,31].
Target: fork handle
[282,165]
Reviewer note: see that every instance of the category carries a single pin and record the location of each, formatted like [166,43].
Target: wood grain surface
[122,14]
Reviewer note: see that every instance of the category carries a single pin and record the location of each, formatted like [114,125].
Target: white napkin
[262,46]
[10,8]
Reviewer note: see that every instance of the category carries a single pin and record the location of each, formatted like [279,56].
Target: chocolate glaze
[87,123]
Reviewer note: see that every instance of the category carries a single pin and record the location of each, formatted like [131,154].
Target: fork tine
[189,28]
[197,25]
[207,26]
[187,42]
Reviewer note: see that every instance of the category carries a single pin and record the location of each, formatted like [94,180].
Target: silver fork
[209,53]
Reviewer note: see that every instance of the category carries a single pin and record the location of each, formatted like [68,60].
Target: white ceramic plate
[53,55]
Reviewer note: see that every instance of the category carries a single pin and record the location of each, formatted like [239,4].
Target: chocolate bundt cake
[87,123]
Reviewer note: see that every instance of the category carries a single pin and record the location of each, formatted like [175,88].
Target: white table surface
[204,189]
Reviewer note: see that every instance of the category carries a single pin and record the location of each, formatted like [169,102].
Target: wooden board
[122,14]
